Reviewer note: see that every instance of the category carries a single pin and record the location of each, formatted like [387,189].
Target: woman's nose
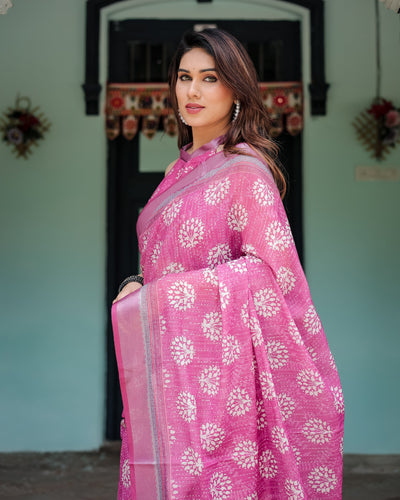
[193,90]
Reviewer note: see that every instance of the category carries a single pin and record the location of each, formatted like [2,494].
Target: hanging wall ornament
[276,124]
[392,4]
[150,125]
[130,125]
[4,6]
[23,127]
[378,127]
[171,125]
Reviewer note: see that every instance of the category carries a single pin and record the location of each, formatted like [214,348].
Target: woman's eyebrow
[201,71]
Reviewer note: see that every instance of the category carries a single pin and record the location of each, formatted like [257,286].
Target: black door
[140,51]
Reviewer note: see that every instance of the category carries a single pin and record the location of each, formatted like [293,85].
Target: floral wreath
[22,127]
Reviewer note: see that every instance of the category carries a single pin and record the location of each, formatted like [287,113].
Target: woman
[228,385]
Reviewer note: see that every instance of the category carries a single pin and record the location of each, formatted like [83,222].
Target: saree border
[134,348]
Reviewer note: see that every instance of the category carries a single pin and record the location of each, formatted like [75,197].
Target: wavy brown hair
[236,71]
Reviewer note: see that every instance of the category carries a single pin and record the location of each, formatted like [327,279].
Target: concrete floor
[94,476]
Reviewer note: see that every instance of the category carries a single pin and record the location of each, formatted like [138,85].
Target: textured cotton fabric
[229,388]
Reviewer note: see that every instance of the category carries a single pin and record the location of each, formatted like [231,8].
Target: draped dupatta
[229,388]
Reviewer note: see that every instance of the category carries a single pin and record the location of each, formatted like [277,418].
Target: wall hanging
[4,6]
[392,4]
[130,106]
[23,127]
[378,127]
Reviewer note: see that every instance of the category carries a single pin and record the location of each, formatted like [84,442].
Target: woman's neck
[201,137]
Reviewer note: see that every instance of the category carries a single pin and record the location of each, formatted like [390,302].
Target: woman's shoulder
[170,166]
[248,162]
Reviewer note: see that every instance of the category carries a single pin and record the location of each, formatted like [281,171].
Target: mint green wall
[52,253]
[352,228]
[52,223]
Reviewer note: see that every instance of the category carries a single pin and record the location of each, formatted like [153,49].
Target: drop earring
[236,112]
[182,119]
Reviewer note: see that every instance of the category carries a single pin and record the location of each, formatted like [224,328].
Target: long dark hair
[236,71]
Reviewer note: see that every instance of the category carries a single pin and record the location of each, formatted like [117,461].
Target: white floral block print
[162,325]
[286,280]
[182,350]
[278,236]
[126,474]
[286,405]
[277,354]
[237,217]
[239,402]
[209,380]
[217,192]
[312,322]
[166,378]
[191,233]
[267,464]
[261,415]
[262,193]
[191,462]
[280,439]
[245,454]
[312,353]
[171,434]
[181,295]
[171,211]
[339,401]
[174,490]
[266,302]
[317,431]
[267,386]
[322,479]
[310,382]
[156,252]
[211,436]
[186,406]
[230,350]
[212,326]
[210,276]
[294,490]
[220,486]
[174,267]
[238,266]
[224,296]
[219,254]
[244,314]
[252,496]
[256,332]
[295,334]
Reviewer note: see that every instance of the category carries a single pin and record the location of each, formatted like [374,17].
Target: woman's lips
[192,109]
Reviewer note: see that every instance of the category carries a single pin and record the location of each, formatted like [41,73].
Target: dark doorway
[140,51]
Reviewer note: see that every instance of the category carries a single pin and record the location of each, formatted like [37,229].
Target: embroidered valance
[128,104]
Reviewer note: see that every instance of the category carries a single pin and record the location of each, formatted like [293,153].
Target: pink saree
[228,385]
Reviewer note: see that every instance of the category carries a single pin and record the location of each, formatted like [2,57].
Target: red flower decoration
[379,110]
[280,100]
[27,121]
[117,102]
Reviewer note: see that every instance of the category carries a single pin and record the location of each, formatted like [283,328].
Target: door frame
[128,189]
[318,87]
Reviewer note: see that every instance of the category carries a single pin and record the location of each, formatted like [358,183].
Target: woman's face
[202,99]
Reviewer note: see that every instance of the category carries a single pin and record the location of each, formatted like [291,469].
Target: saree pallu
[228,385]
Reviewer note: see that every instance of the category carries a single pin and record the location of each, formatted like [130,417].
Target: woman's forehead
[197,58]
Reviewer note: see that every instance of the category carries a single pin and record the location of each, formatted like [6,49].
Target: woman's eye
[210,78]
[184,78]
